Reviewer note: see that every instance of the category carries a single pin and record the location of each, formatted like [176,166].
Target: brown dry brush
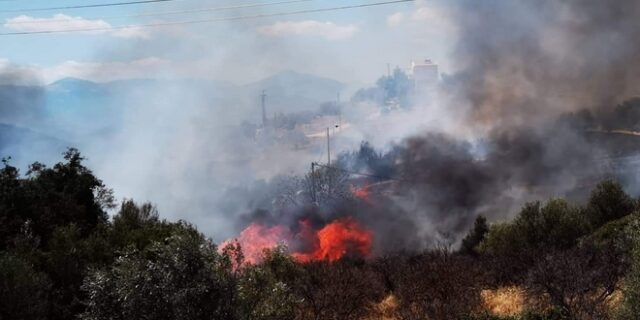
[437,284]
[580,282]
[345,290]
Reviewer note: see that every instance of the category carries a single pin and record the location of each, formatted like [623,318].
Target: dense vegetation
[62,257]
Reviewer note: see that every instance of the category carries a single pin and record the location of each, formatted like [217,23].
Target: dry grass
[385,309]
[615,300]
[506,301]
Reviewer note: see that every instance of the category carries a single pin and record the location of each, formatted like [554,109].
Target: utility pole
[389,70]
[328,149]
[263,102]
[313,183]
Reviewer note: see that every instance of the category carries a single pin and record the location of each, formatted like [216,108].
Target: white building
[425,75]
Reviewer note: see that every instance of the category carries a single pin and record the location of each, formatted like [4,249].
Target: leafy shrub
[184,278]
[630,306]
[23,290]
[472,240]
[608,202]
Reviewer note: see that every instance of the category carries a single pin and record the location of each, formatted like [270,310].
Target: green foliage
[475,236]
[557,224]
[52,197]
[264,291]
[608,202]
[138,226]
[615,233]
[23,290]
[554,225]
[61,258]
[182,278]
[65,262]
[11,196]
[394,88]
[502,239]
[630,306]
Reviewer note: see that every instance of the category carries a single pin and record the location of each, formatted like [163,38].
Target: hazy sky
[352,45]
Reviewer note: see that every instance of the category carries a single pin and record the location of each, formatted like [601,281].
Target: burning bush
[331,242]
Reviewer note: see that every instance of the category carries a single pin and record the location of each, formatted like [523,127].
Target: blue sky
[350,45]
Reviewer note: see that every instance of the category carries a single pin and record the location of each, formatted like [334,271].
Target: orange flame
[256,238]
[332,242]
[336,239]
[360,193]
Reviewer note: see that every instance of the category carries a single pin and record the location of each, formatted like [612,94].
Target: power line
[84,6]
[175,23]
[153,14]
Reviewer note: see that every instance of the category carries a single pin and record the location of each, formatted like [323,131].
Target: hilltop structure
[425,75]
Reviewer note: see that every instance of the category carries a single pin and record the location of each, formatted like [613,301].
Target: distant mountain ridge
[74,109]
[286,91]
[21,144]
[290,91]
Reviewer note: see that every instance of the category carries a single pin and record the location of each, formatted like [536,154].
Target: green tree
[65,262]
[138,226]
[629,308]
[11,199]
[579,282]
[396,87]
[557,224]
[183,277]
[475,236]
[24,292]
[265,290]
[608,202]
[537,229]
[48,198]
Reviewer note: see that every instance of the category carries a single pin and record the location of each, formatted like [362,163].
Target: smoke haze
[489,137]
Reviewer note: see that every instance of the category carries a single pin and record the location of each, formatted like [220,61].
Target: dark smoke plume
[525,67]
[526,61]
[523,64]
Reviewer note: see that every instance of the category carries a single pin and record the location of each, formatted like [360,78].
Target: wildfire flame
[337,239]
[361,193]
[333,241]
[256,238]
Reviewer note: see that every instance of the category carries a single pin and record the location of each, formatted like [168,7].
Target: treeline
[62,257]
[578,261]
[624,116]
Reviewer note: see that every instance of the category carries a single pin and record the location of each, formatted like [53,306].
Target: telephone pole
[328,149]
[263,102]
[313,183]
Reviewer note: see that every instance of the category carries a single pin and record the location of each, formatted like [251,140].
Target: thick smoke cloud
[449,183]
[490,140]
[522,67]
[428,189]
[525,61]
